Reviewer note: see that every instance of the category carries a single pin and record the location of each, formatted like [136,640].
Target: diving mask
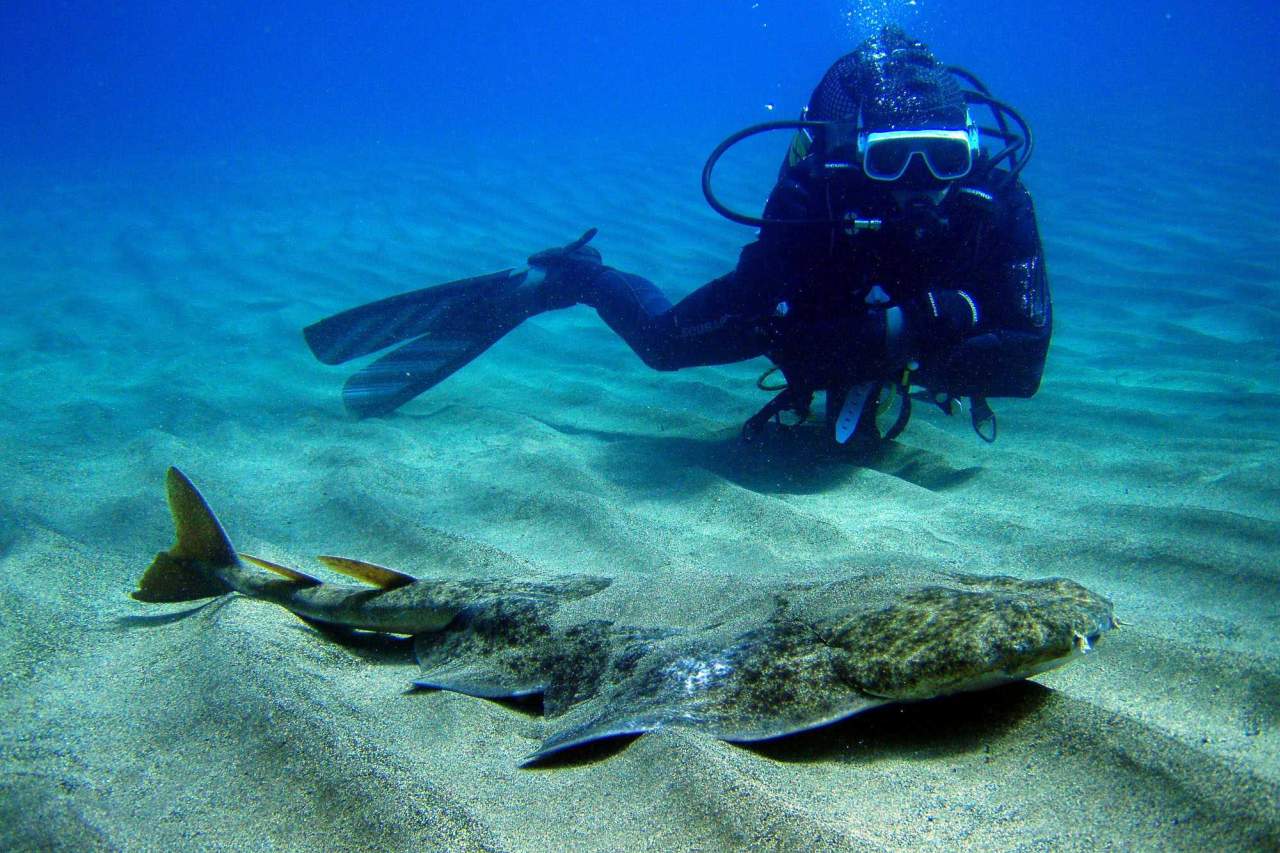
[948,154]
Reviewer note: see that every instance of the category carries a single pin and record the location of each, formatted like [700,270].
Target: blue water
[142,79]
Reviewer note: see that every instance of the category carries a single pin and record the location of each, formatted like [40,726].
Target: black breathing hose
[732,140]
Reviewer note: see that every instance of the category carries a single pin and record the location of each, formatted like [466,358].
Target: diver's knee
[661,359]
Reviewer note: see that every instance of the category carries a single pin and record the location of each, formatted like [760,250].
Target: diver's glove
[941,317]
[563,275]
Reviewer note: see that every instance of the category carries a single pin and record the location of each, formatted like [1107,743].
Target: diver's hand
[942,316]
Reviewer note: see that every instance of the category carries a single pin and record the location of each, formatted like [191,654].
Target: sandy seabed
[154,319]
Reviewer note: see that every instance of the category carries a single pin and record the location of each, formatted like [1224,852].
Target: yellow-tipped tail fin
[370,573]
[191,569]
[291,574]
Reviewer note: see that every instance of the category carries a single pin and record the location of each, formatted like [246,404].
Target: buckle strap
[789,400]
[983,419]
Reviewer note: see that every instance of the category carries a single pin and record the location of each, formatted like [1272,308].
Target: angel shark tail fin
[201,562]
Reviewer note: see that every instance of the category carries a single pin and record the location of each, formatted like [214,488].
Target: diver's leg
[447,326]
[706,327]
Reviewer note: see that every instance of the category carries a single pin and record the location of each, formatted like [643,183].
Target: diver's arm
[990,338]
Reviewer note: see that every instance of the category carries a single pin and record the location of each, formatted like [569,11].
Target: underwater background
[183,187]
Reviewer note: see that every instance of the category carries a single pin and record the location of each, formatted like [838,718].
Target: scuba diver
[897,250]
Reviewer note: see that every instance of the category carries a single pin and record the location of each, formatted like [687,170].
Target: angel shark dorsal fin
[291,574]
[370,573]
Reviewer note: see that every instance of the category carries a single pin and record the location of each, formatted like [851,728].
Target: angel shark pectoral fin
[725,727]
[562,740]
[507,648]
[482,682]
[759,685]
[495,649]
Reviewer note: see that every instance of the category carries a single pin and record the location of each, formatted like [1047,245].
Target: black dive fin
[368,328]
[402,374]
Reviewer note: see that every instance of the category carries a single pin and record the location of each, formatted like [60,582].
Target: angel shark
[784,660]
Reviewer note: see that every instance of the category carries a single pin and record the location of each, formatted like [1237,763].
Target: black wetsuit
[799,294]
